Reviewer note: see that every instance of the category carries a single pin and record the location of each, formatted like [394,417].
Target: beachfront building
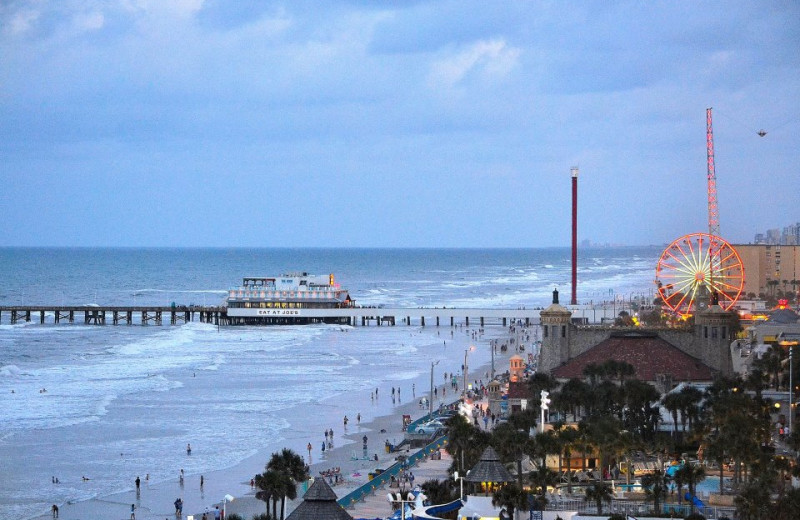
[772,269]
[319,502]
[662,356]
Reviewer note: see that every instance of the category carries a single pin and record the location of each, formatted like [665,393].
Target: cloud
[492,59]
[179,8]
[89,21]
[22,21]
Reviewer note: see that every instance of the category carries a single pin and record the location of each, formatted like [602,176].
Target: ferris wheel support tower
[713,212]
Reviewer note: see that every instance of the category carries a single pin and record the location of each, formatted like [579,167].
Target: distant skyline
[193,123]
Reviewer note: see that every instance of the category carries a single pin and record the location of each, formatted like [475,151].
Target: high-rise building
[769,268]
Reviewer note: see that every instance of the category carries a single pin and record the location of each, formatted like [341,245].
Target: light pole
[545,406]
[466,371]
[791,389]
[430,401]
[464,389]
[461,487]
[492,345]
[225,500]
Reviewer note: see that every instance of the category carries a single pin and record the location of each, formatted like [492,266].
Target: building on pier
[284,299]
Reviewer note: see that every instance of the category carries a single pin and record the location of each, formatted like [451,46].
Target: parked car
[429,427]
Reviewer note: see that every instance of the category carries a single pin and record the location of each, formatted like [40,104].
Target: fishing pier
[221,315]
[97,315]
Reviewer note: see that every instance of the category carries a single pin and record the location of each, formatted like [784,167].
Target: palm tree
[568,439]
[440,491]
[604,435]
[599,492]
[753,503]
[510,496]
[690,401]
[691,475]
[269,484]
[655,485]
[461,437]
[572,396]
[292,469]
[672,403]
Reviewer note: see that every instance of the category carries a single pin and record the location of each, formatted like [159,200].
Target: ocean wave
[9,371]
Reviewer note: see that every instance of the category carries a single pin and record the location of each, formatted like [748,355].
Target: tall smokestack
[574,300]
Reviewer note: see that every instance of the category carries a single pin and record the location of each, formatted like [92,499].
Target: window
[546,331]
[563,331]
[713,333]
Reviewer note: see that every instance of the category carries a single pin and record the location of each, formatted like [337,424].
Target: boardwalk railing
[383,478]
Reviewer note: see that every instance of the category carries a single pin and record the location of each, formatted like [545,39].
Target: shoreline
[156,498]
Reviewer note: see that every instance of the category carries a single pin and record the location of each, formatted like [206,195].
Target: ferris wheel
[694,267]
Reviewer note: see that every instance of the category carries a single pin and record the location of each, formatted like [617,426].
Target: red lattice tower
[713,212]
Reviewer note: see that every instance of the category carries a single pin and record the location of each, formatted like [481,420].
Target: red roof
[649,354]
[519,391]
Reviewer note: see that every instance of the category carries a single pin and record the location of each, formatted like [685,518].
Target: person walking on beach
[178,507]
[345,422]
[133,509]
[188,449]
[358,418]
[138,484]
[413,390]
[55,511]
[201,481]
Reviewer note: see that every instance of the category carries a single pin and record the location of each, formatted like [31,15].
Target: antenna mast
[713,212]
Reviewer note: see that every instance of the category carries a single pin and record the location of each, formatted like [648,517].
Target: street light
[225,500]
[461,479]
[466,370]
[430,401]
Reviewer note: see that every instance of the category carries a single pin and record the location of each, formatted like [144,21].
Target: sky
[210,123]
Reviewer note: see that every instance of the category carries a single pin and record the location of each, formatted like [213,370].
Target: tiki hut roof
[319,503]
[489,469]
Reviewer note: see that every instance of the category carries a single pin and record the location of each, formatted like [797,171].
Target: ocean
[114,402]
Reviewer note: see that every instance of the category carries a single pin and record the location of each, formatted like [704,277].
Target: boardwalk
[377,505]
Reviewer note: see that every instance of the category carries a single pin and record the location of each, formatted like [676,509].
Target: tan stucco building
[765,263]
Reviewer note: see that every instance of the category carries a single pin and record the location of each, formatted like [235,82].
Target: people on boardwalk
[332,475]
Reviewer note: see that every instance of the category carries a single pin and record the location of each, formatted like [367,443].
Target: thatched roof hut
[319,503]
[489,469]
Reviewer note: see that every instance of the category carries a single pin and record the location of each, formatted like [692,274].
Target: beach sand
[155,501]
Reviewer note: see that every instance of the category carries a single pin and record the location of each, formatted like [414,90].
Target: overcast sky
[422,124]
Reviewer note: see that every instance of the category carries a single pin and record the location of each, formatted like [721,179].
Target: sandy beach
[381,422]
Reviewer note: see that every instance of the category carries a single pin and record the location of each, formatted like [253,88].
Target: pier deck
[220,315]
